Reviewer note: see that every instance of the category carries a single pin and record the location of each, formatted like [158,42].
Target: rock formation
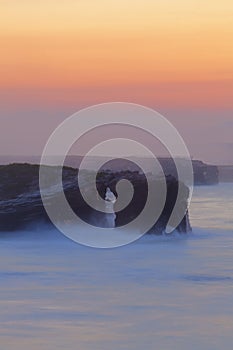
[21,204]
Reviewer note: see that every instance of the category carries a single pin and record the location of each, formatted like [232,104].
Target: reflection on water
[158,293]
[212,206]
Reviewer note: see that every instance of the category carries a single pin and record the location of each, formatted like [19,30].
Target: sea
[159,293]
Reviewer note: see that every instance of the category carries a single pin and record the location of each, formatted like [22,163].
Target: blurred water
[212,207]
[158,293]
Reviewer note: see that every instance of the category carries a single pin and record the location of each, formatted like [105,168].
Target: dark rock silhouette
[21,204]
[205,174]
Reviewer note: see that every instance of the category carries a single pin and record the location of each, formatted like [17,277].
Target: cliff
[205,174]
[21,204]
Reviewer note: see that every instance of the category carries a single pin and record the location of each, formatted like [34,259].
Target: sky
[58,56]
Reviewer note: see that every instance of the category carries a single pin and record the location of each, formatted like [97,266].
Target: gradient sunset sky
[175,56]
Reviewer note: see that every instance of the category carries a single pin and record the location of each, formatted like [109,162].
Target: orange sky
[172,55]
[69,46]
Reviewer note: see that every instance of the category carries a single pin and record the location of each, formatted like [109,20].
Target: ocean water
[164,293]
